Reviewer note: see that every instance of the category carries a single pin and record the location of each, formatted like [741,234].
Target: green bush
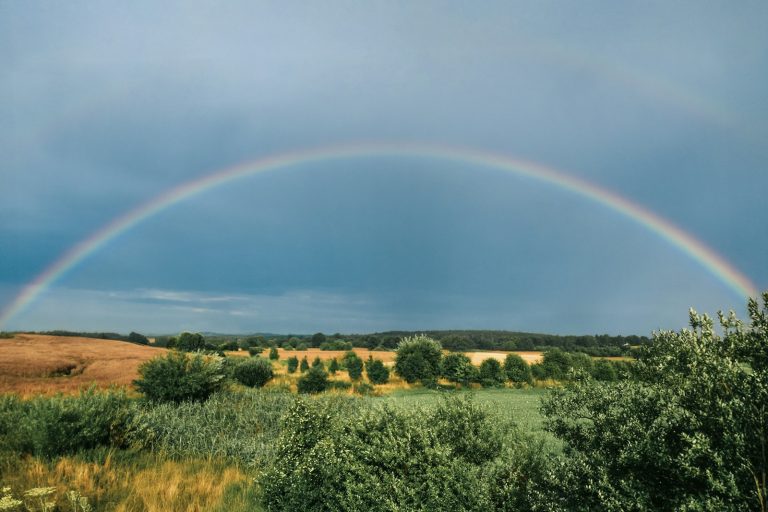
[304,366]
[293,364]
[314,380]
[178,377]
[362,388]
[317,362]
[254,372]
[354,365]
[333,367]
[491,373]
[376,371]
[604,370]
[457,367]
[418,359]
[383,458]
[273,354]
[255,351]
[517,370]
[51,426]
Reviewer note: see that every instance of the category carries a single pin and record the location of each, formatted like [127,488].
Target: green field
[518,405]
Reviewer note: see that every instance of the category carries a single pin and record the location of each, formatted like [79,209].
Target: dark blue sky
[107,105]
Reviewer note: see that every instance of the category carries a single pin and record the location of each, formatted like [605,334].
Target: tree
[178,377]
[556,364]
[190,342]
[315,380]
[304,366]
[273,354]
[418,359]
[317,362]
[491,373]
[317,339]
[138,338]
[293,364]
[517,370]
[254,372]
[333,367]
[457,367]
[376,371]
[604,370]
[693,419]
[354,365]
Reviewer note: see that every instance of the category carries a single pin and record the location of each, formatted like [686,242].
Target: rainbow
[706,257]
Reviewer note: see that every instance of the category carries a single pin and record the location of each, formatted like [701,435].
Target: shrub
[333,367]
[376,371]
[354,365]
[190,342]
[315,380]
[380,457]
[336,345]
[604,370]
[317,362]
[51,426]
[138,338]
[517,370]
[273,354]
[491,373]
[302,346]
[254,372]
[255,351]
[293,364]
[304,364]
[418,359]
[178,377]
[556,364]
[362,388]
[457,367]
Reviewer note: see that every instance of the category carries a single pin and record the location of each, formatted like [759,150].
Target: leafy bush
[418,359]
[135,337]
[51,426]
[255,351]
[691,422]
[317,362]
[379,457]
[273,354]
[354,365]
[293,364]
[491,373]
[333,367]
[178,377]
[517,370]
[315,380]
[304,366]
[237,426]
[190,342]
[458,368]
[604,370]
[362,388]
[302,346]
[336,345]
[254,372]
[376,371]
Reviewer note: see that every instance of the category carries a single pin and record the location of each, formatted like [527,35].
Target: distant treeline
[133,337]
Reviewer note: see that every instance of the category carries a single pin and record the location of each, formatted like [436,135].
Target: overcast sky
[105,105]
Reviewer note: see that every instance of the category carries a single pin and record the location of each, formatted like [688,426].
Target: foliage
[190,342]
[178,377]
[235,426]
[362,388]
[517,370]
[314,380]
[255,351]
[491,373]
[376,371]
[50,426]
[302,346]
[693,422]
[603,370]
[254,372]
[353,364]
[293,364]
[457,367]
[418,359]
[333,367]
[317,362]
[304,366]
[382,458]
[336,345]
[273,354]
[138,338]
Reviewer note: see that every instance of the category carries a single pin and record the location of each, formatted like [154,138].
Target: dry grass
[39,364]
[529,357]
[149,484]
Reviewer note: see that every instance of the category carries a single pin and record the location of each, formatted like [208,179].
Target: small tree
[304,364]
[254,372]
[604,370]
[333,367]
[517,370]
[457,367]
[418,359]
[491,373]
[315,380]
[354,365]
[293,364]
[138,338]
[190,342]
[178,377]
[273,354]
[376,371]
[254,351]
[317,362]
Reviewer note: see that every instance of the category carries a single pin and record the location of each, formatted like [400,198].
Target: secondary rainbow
[705,256]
